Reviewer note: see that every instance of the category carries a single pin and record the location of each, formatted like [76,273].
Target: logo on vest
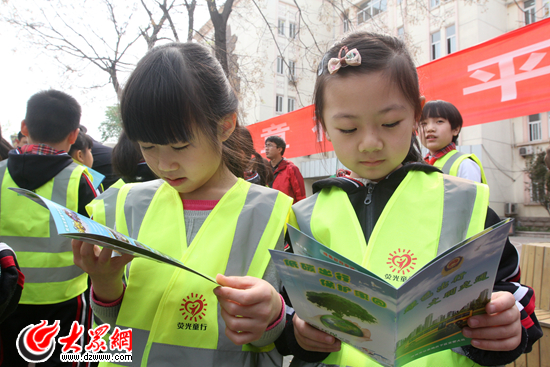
[193,308]
[401,261]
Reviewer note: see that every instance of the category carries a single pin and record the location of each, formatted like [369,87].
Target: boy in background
[55,289]
[440,125]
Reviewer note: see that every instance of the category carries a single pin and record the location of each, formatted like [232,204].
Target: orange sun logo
[401,261]
[194,307]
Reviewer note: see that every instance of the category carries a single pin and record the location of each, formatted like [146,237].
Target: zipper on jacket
[370,188]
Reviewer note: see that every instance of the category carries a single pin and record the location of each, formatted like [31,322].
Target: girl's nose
[370,143]
[166,163]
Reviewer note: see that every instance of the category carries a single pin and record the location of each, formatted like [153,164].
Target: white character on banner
[508,76]
[278,130]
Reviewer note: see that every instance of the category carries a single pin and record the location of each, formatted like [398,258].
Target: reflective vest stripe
[48,275]
[458,205]
[450,163]
[136,202]
[103,208]
[453,156]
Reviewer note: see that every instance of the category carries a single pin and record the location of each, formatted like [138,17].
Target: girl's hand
[105,271]
[313,339]
[248,306]
[500,328]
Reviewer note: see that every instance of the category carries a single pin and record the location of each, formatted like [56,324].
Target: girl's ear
[328,137]
[79,156]
[422,102]
[228,125]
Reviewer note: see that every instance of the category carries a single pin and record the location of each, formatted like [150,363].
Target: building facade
[277,45]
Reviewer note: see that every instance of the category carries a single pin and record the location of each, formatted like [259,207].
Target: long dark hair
[257,163]
[379,53]
[177,90]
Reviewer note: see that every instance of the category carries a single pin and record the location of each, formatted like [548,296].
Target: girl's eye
[147,148]
[180,148]
[394,124]
[347,131]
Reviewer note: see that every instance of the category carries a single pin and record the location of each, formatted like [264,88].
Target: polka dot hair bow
[352,58]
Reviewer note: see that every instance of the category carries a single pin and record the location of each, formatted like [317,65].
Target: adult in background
[286,176]
[102,161]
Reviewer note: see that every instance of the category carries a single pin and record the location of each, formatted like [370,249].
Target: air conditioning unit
[510,209]
[525,151]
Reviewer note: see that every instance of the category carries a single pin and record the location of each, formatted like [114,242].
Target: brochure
[76,226]
[393,326]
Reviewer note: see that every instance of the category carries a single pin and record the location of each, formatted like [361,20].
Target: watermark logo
[36,343]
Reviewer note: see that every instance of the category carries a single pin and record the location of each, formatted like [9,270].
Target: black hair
[51,116]
[379,53]
[258,164]
[279,142]
[82,142]
[5,147]
[20,136]
[126,158]
[177,90]
[446,110]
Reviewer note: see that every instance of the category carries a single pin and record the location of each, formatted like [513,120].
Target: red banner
[506,77]
[297,129]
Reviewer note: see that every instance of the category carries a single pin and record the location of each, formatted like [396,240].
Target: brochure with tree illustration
[76,226]
[392,325]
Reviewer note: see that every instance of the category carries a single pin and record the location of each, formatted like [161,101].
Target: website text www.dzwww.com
[96,357]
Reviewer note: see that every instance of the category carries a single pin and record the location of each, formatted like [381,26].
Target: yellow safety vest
[45,258]
[103,208]
[173,313]
[427,214]
[451,161]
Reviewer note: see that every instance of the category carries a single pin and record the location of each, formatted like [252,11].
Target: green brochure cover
[393,326]
[76,226]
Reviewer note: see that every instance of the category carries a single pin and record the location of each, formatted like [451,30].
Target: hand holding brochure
[76,226]
[393,326]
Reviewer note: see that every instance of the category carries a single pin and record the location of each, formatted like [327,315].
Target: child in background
[367,101]
[55,289]
[81,150]
[440,125]
[179,107]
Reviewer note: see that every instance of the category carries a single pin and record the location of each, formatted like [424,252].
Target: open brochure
[76,226]
[392,325]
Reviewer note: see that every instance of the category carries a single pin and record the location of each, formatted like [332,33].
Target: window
[291,70]
[436,45]
[529,9]
[280,66]
[292,30]
[291,103]
[537,192]
[401,33]
[281,27]
[370,9]
[535,127]
[434,3]
[347,24]
[450,33]
[279,104]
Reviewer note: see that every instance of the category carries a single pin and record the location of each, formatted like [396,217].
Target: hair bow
[352,58]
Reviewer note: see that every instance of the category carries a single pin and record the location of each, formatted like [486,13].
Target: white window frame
[292,30]
[535,127]
[529,11]
[370,9]
[278,103]
[291,106]
[281,27]
[347,24]
[292,69]
[434,4]
[435,48]
[280,66]
[451,39]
